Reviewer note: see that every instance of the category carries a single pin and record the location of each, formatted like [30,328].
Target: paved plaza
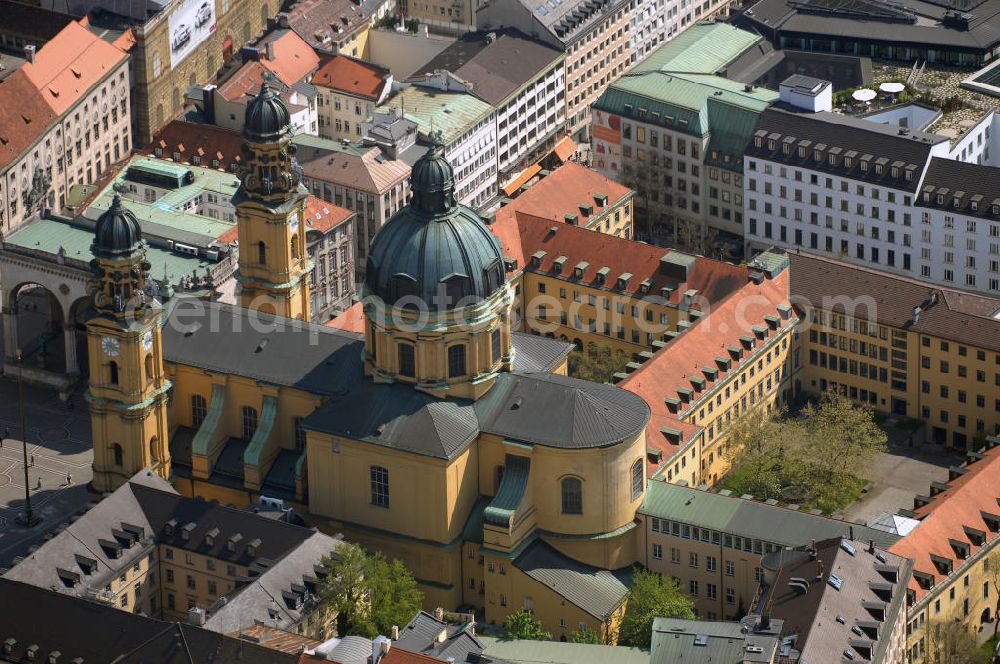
[59,442]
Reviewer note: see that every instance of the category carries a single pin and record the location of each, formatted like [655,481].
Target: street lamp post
[26,518]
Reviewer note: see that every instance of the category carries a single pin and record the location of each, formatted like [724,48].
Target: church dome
[266,118]
[118,233]
[434,248]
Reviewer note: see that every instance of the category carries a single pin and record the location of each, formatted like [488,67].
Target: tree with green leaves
[651,596]
[950,642]
[841,436]
[369,594]
[521,625]
[598,364]
[585,635]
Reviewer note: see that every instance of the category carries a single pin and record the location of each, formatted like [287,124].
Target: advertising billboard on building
[190,24]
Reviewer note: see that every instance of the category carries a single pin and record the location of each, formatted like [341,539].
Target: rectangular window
[380,486]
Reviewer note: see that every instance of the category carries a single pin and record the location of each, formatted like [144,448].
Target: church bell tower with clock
[128,387]
[270,212]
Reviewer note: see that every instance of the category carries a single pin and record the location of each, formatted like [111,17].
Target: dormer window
[210,537]
[974,205]
[623,280]
[536,259]
[894,172]
[787,148]
[961,549]
[602,275]
[252,547]
[848,162]
[557,264]
[878,169]
[580,269]
[864,166]
[956,202]
[802,152]
[771,145]
[943,565]
[233,541]
[908,176]
[170,526]
[645,286]
[832,159]
[940,199]
[758,141]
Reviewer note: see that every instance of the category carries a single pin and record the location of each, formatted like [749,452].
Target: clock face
[147,341]
[110,346]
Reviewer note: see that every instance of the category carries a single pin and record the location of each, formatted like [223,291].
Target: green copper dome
[267,118]
[117,234]
[434,251]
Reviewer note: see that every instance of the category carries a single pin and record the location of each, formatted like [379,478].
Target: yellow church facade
[438,436]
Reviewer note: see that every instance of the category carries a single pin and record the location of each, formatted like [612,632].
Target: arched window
[261,252]
[113,373]
[380,486]
[153,444]
[157,66]
[456,361]
[175,99]
[495,349]
[119,455]
[407,361]
[572,495]
[295,247]
[637,479]
[149,367]
[159,115]
[249,422]
[199,409]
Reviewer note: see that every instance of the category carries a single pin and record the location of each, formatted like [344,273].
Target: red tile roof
[684,356]
[322,216]
[945,518]
[34,96]
[354,77]
[563,191]
[277,639]
[190,139]
[522,235]
[294,59]
[330,216]
[351,320]
[245,82]
[69,65]
[400,656]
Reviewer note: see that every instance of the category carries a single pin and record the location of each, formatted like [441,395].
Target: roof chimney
[269,51]
[439,614]
[395,632]
[29,52]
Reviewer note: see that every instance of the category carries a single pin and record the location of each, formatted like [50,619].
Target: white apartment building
[64,119]
[594,35]
[878,195]
[467,126]
[523,78]
[652,22]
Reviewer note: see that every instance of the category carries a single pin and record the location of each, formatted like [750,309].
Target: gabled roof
[326,23]
[352,76]
[191,139]
[294,59]
[64,70]
[749,518]
[362,168]
[564,190]
[969,184]
[421,634]
[323,216]
[949,314]
[850,598]
[496,66]
[28,614]
[685,357]
[523,235]
[968,505]
[704,48]
[451,113]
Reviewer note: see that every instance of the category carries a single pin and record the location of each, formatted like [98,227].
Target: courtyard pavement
[59,442]
[902,472]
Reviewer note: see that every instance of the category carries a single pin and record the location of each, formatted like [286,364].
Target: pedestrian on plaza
[38,486]
[32,462]
[69,479]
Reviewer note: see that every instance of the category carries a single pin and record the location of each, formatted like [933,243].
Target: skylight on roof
[835,581]
[701,640]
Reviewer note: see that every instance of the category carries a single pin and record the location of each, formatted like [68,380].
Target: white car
[203,16]
[181,36]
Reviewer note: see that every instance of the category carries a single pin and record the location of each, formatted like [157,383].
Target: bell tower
[270,211]
[128,387]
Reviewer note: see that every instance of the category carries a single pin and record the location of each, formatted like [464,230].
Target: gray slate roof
[834,130]
[597,591]
[723,643]
[95,632]
[538,408]
[533,352]
[420,635]
[812,615]
[967,182]
[496,70]
[252,603]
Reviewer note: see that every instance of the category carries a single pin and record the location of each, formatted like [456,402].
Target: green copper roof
[501,510]
[451,113]
[704,48]
[48,235]
[251,456]
[206,432]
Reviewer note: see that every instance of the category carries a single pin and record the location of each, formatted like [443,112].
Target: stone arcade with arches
[438,436]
